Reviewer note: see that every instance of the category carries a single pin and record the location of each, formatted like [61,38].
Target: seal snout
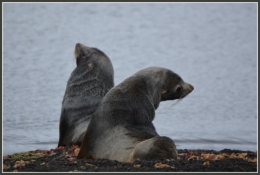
[79,45]
[79,49]
[190,87]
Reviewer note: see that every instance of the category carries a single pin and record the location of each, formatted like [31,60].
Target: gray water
[213,46]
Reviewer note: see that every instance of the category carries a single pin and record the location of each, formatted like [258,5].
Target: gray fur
[122,123]
[88,83]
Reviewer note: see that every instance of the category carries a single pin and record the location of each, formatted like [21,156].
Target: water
[213,46]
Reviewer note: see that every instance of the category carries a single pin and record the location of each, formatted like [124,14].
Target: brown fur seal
[87,85]
[121,128]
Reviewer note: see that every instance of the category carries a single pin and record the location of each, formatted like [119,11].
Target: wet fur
[88,83]
[121,128]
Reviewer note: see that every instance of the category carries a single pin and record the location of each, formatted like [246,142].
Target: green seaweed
[29,155]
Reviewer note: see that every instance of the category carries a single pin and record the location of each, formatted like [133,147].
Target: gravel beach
[63,159]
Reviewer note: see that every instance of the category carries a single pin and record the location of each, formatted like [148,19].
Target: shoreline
[63,159]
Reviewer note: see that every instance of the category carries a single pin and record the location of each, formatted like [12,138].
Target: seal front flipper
[84,153]
[87,147]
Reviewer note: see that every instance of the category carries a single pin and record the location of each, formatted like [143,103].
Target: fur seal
[121,128]
[87,85]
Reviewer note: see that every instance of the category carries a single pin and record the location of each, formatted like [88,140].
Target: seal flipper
[85,148]
[154,148]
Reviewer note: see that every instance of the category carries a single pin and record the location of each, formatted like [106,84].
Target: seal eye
[179,89]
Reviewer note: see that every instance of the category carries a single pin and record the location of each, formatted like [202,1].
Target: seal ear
[164,91]
[90,66]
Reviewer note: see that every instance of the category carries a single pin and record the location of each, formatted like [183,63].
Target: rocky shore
[63,159]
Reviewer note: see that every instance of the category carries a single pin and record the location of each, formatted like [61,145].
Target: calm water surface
[213,46]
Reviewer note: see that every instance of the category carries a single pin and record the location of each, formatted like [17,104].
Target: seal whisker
[172,105]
